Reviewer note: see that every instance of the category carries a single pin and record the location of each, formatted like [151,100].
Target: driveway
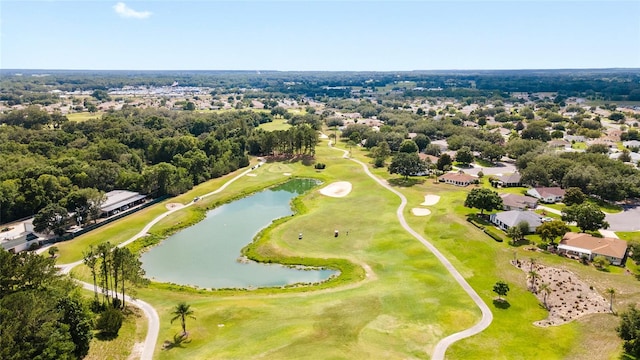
[627,220]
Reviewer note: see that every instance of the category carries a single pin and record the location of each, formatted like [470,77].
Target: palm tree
[182,311]
[90,260]
[611,292]
[546,289]
[533,262]
[533,275]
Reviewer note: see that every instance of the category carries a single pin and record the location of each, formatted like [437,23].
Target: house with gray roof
[518,202]
[631,143]
[506,219]
[510,180]
[120,200]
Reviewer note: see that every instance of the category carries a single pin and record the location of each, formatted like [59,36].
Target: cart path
[153,319]
[441,347]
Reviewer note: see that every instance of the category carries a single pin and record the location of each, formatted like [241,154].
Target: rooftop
[603,246]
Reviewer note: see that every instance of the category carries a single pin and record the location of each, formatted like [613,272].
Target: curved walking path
[441,347]
[153,319]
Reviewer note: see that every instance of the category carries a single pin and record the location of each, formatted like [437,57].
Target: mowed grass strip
[276,124]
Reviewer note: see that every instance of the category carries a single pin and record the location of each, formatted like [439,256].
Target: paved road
[153,319]
[627,220]
[441,347]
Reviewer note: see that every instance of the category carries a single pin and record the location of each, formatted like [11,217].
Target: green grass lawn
[579,145]
[276,124]
[406,303]
[83,116]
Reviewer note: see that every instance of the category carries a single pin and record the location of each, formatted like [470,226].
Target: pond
[206,254]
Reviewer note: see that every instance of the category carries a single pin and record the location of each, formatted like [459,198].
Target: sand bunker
[430,200]
[420,212]
[287,174]
[323,136]
[337,189]
[252,175]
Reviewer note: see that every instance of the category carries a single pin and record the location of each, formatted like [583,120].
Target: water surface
[206,254]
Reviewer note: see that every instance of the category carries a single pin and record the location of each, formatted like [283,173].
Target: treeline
[593,173]
[607,84]
[151,151]
[117,270]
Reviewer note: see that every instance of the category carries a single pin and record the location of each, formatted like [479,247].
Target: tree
[598,149]
[551,230]
[515,233]
[75,314]
[493,152]
[52,218]
[432,149]
[501,288]
[182,311]
[89,258]
[444,162]
[53,251]
[41,315]
[587,216]
[422,141]
[600,262]
[464,155]
[406,164]
[574,196]
[524,228]
[546,290]
[625,156]
[409,147]
[483,199]
[534,276]
[611,292]
[629,331]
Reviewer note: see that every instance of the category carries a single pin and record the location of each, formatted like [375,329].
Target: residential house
[506,219]
[631,144]
[518,202]
[559,143]
[548,195]
[635,157]
[120,200]
[580,244]
[510,180]
[18,237]
[575,138]
[458,179]
[429,158]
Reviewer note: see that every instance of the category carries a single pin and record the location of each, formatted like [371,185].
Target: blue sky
[318,35]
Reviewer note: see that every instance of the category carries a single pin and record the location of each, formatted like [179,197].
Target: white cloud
[126,12]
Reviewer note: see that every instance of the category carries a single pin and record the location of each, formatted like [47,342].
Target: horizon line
[320,71]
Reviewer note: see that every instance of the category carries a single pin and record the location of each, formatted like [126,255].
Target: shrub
[110,321]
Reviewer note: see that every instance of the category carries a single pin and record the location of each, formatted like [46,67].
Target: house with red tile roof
[580,244]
